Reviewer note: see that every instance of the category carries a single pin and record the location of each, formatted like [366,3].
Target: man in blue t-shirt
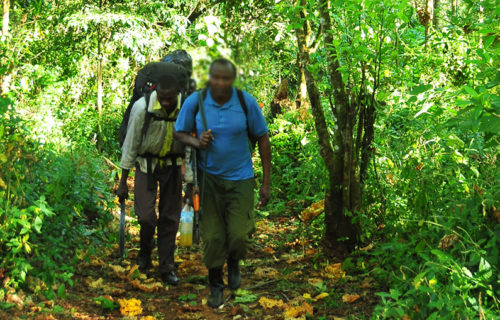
[228,194]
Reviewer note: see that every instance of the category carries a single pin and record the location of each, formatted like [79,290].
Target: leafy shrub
[50,202]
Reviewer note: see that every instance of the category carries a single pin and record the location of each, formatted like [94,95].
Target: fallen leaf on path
[96,262]
[350,298]
[312,211]
[294,312]
[118,292]
[148,318]
[293,275]
[321,296]
[97,284]
[266,272]
[267,303]
[366,284]
[334,271]
[268,250]
[147,287]
[131,307]
[16,299]
[132,270]
[314,281]
[117,269]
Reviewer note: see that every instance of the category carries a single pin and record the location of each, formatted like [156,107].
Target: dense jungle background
[384,122]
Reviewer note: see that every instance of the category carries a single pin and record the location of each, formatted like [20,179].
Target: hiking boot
[144,262]
[216,295]
[216,287]
[233,274]
[170,278]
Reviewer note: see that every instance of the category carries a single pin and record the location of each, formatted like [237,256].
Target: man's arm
[265,157]
[188,139]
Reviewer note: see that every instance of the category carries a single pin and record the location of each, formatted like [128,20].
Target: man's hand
[264,196]
[205,139]
[122,191]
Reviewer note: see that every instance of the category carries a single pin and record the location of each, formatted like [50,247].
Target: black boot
[216,287]
[144,261]
[146,246]
[233,274]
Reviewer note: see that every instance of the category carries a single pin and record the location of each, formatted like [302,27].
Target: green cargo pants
[226,222]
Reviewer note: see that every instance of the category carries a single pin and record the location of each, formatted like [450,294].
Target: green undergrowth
[54,203]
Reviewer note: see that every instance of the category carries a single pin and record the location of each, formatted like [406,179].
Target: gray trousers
[169,180]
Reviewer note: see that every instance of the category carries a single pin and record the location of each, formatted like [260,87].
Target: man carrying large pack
[150,147]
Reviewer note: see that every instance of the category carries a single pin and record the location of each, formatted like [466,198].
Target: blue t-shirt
[229,155]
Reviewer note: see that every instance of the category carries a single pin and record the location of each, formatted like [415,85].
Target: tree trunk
[429,16]
[99,83]
[454,7]
[280,99]
[5,21]
[435,20]
[99,104]
[301,102]
[343,198]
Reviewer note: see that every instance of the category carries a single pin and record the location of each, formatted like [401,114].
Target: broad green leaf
[485,269]
[489,40]
[38,224]
[419,89]
[470,91]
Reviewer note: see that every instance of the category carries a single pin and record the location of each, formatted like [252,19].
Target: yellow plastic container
[186,227]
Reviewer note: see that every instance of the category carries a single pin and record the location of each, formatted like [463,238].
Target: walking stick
[196,199]
[122,227]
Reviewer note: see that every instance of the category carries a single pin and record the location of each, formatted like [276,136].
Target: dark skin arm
[265,158]
[186,138]
[122,191]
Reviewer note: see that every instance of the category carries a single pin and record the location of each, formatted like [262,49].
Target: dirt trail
[283,278]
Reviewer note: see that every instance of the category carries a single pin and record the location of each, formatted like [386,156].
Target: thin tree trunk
[454,7]
[5,21]
[301,101]
[280,99]
[99,85]
[429,12]
[342,194]
[436,9]
[99,103]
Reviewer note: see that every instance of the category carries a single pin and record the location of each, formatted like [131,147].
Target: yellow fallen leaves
[321,296]
[312,211]
[148,318]
[350,298]
[267,303]
[318,297]
[289,312]
[147,287]
[298,311]
[131,307]
[96,284]
[334,271]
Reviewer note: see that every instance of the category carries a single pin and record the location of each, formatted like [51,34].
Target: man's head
[172,81]
[222,76]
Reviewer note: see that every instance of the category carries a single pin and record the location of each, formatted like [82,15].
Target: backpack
[145,83]
[202,94]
